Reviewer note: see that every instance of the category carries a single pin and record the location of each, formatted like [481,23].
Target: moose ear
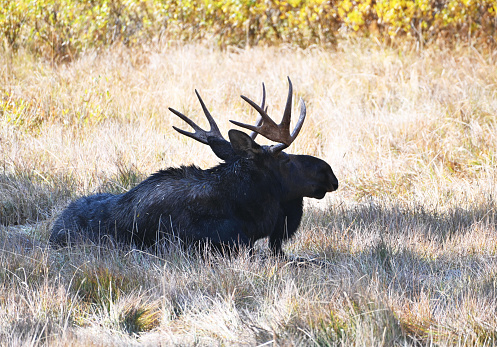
[243,145]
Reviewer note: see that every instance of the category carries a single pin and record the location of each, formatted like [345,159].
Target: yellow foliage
[61,29]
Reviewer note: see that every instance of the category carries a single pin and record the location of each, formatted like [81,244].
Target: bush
[62,29]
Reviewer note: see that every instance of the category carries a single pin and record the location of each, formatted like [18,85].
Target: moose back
[256,192]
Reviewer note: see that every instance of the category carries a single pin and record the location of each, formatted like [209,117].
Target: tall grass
[402,254]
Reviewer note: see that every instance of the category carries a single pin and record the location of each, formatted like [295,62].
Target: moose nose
[333,182]
[335,185]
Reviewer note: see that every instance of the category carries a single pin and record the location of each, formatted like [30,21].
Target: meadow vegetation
[405,249]
[61,30]
[404,253]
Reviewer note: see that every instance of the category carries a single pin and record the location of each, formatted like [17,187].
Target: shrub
[61,29]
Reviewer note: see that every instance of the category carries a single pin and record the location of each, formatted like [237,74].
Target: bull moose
[256,192]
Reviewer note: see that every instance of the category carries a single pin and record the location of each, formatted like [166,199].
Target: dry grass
[403,254]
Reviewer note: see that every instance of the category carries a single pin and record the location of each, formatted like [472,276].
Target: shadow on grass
[367,281]
[28,198]
[391,219]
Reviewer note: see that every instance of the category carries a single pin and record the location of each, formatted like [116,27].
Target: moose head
[300,175]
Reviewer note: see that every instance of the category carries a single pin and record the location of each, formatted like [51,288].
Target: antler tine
[261,124]
[259,120]
[277,132]
[200,134]
[198,131]
[287,114]
[301,120]
[214,129]
[296,130]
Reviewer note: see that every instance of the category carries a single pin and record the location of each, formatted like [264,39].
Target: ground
[404,253]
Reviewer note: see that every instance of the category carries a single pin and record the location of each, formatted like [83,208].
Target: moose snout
[326,183]
[334,187]
[332,182]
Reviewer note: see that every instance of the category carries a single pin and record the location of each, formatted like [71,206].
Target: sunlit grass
[403,253]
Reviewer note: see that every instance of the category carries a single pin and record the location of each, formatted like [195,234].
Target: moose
[255,192]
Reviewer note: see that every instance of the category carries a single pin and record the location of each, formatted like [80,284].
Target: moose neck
[245,175]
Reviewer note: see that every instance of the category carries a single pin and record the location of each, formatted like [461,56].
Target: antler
[219,145]
[259,120]
[272,131]
[200,134]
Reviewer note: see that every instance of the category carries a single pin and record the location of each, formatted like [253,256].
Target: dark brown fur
[254,194]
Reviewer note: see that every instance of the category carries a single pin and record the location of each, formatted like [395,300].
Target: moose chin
[256,192]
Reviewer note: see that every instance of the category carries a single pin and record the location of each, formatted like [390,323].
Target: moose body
[256,192]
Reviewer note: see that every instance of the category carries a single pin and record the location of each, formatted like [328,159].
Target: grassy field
[404,252]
